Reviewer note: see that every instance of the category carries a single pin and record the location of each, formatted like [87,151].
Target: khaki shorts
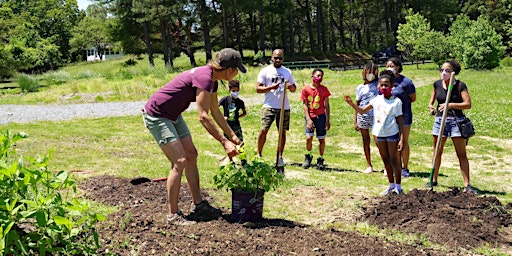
[268,115]
[164,130]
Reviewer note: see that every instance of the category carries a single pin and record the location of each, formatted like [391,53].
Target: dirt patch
[452,219]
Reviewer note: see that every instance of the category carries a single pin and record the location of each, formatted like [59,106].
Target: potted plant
[248,181]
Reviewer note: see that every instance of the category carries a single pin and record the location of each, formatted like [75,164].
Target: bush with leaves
[251,174]
[39,214]
[475,43]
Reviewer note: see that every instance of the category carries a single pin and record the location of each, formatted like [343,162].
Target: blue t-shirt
[366,92]
[403,88]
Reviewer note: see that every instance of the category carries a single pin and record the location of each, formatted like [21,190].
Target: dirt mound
[450,218]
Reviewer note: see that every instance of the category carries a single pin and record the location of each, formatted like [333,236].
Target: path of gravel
[55,112]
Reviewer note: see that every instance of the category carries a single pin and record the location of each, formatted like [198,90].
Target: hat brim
[242,68]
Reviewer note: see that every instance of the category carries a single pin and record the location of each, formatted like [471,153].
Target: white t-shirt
[270,75]
[385,112]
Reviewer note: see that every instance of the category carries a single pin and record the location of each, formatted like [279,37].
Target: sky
[82,4]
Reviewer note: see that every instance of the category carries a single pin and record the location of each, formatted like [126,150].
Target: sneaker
[307,161]
[280,162]
[434,183]
[470,190]
[405,172]
[398,191]
[178,219]
[320,163]
[204,211]
[368,170]
[387,191]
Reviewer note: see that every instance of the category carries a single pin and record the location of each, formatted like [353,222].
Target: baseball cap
[230,58]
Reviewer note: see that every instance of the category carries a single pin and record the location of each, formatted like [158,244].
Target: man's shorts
[268,115]
[319,125]
[451,129]
[164,130]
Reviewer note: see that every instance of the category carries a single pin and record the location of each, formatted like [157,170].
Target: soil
[456,222]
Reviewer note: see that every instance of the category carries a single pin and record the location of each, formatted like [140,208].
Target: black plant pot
[247,206]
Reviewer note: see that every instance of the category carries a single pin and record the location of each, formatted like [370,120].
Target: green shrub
[27,83]
[39,213]
[506,62]
[57,78]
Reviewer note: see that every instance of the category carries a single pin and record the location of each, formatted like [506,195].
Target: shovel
[280,168]
[441,130]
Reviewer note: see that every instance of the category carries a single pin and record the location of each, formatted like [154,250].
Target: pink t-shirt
[175,97]
[315,98]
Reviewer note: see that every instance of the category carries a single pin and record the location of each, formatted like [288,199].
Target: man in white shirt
[271,81]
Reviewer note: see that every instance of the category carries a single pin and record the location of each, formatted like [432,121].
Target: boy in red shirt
[315,99]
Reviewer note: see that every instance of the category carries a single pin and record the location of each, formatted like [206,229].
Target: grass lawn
[122,146]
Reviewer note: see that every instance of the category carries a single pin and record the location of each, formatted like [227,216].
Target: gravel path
[55,112]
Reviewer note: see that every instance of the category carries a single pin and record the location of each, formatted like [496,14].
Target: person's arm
[203,100]
[400,123]
[357,108]
[412,97]
[355,117]
[244,113]
[309,122]
[465,104]
[327,114]
[431,102]
[261,88]
[221,120]
[291,87]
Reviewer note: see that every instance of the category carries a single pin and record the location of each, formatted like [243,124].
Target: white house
[92,54]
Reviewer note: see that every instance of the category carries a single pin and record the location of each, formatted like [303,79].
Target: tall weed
[27,83]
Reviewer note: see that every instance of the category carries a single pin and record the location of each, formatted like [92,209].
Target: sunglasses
[278,58]
[447,70]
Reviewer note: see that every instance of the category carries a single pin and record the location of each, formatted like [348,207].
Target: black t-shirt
[232,108]
[455,97]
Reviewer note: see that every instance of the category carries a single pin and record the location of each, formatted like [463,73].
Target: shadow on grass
[326,169]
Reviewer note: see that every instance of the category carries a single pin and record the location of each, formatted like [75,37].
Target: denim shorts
[164,130]
[451,129]
[268,115]
[319,125]
[392,138]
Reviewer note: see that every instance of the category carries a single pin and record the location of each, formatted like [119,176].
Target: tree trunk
[238,33]
[262,31]
[148,44]
[310,28]
[292,33]
[254,37]
[206,31]
[225,26]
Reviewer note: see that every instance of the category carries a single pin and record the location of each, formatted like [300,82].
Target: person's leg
[439,155]
[175,152]
[394,158]
[191,170]
[460,149]
[309,143]
[406,151]
[384,154]
[321,146]
[286,127]
[365,134]
[267,118]
[262,138]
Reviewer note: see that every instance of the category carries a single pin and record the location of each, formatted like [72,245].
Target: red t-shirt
[175,97]
[315,98]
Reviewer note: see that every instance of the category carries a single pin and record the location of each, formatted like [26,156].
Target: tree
[408,34]
[476,43]
[89,32]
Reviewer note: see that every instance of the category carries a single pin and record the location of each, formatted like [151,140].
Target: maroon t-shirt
[175,97]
